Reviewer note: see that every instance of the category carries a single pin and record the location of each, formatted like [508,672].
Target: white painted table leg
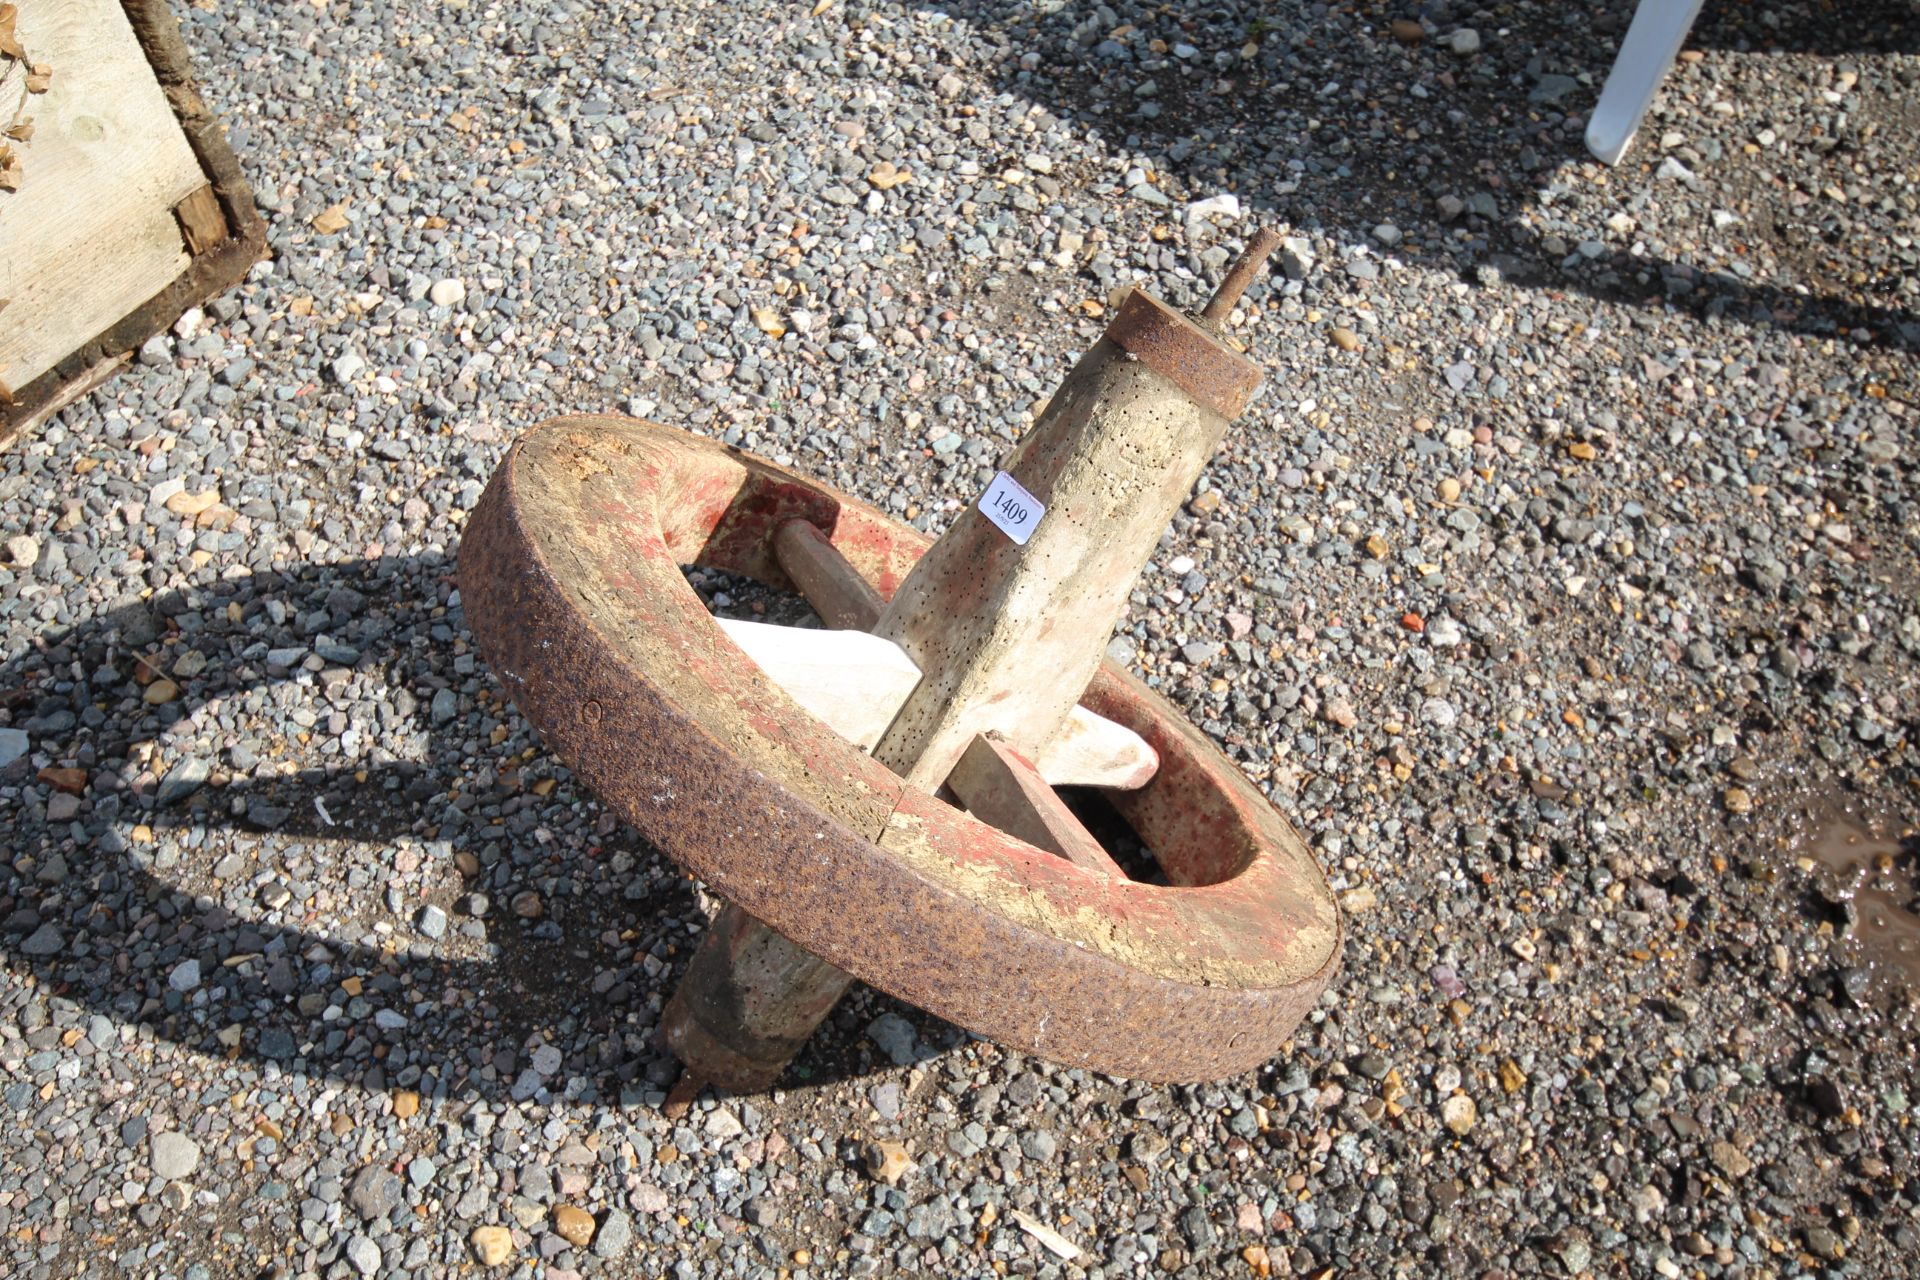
[1653,40]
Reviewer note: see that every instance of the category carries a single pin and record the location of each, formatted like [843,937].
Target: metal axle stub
[570,572]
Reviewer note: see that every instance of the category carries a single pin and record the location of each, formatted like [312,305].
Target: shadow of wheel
[210,889]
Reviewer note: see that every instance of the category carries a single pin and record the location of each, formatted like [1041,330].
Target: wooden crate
[126,208]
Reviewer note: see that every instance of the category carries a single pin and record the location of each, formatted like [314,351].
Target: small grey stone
[1147,1146]
[174,1155]
[1465,41]
[364,1254]
[1671,168]
[1198,1228]
[347,367]
[432,921]
[375,1192]
[44,941]
[187,776]
[185,976]
[13,745]
[536,1183]
[896,1038]
[1296,258]
[1552,88]
[614,1235]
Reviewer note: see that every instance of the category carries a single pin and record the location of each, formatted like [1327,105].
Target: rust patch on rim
[1185,354]
[570,576]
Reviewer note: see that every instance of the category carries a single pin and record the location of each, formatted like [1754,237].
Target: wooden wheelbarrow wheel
[570,575]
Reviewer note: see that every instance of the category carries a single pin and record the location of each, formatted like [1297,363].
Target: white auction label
[1011,508]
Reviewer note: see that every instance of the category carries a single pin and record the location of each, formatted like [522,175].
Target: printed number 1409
[1012,509]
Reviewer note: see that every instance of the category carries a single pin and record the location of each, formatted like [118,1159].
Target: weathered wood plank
[91,234]
[201,223]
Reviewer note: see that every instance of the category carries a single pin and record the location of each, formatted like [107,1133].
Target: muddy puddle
[1865,861]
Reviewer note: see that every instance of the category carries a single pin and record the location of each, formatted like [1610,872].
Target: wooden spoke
[833,587]
[1002,788]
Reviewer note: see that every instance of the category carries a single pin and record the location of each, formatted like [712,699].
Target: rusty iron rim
[570,577]
[1185,354]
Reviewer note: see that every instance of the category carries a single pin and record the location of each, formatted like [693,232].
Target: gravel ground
[1562,586]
